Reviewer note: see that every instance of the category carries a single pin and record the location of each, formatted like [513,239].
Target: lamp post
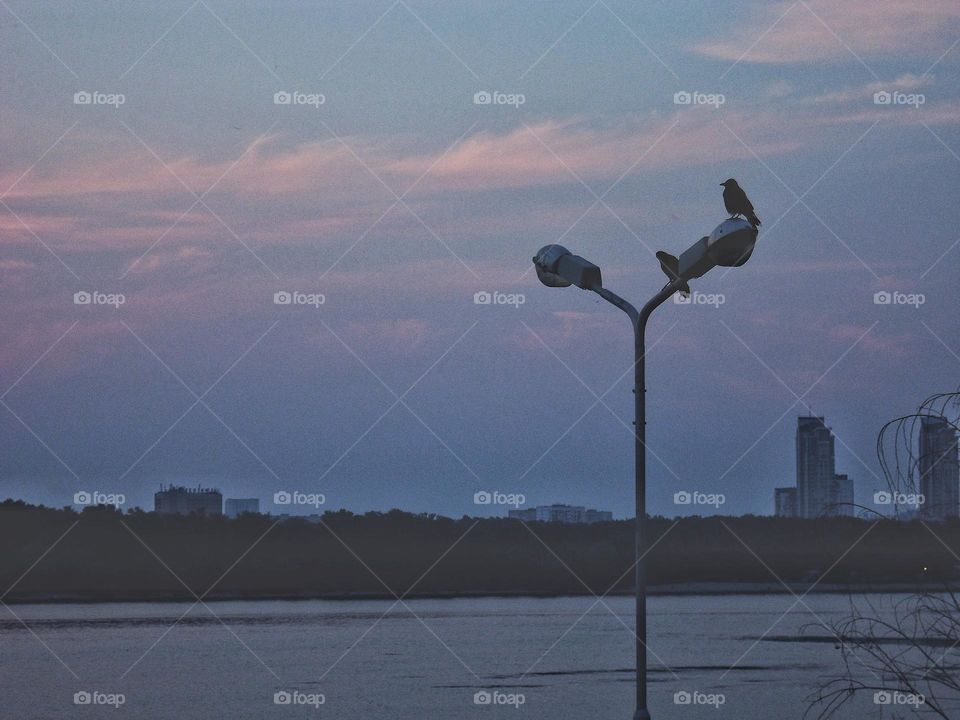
[730,244]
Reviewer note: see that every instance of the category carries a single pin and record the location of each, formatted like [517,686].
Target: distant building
[176,500]
[785,502]
[570,514]
[816,478]
[233,507]
[842,497]
[939,469]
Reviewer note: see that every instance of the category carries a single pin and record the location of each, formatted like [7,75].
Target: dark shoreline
[673,590]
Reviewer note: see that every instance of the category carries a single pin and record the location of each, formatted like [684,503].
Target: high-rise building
[785,502]
[842,502]
[234,507]
[176,500]
[816,478]
[939,469]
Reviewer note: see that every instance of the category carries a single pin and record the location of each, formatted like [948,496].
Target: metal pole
[639,323]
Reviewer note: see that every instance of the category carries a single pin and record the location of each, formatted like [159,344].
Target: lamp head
[558,267]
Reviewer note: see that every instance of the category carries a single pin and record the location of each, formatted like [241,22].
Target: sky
[185,194]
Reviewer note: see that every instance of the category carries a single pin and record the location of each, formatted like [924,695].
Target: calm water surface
[567,657]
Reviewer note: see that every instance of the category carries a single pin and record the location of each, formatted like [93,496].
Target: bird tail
[753,219]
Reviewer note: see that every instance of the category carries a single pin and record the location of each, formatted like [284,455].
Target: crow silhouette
[737,202]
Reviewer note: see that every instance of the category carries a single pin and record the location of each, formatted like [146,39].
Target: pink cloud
[787,32]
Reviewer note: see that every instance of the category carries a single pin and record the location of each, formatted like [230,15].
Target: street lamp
[729,245]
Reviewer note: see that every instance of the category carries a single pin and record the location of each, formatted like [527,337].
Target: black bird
[737,202]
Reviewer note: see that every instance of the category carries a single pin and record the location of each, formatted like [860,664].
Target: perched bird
[737,202]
